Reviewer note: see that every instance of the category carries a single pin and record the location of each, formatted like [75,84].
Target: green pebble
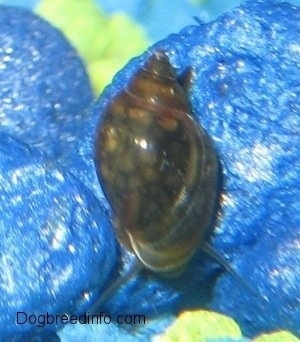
[201,326]
[105,43]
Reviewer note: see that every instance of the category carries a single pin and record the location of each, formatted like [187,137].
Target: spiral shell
[157,167]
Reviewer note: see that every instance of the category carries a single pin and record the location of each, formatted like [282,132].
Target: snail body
[159,171]
[157,167]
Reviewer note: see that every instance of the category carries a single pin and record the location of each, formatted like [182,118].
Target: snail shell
[157,167]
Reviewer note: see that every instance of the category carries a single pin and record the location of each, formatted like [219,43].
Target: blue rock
[57,249]
[245,92]
[44,86]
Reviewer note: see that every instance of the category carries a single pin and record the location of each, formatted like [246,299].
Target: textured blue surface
[54,239]
[44,86]
[53,254]
[245,93]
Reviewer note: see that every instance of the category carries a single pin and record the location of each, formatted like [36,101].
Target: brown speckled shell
[157,167]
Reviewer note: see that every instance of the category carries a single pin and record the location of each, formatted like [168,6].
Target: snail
[158,170]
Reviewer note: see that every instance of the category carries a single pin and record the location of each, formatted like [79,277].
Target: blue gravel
[54,240]
[57,248]
[245,92]
[54,232]
[44,86]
